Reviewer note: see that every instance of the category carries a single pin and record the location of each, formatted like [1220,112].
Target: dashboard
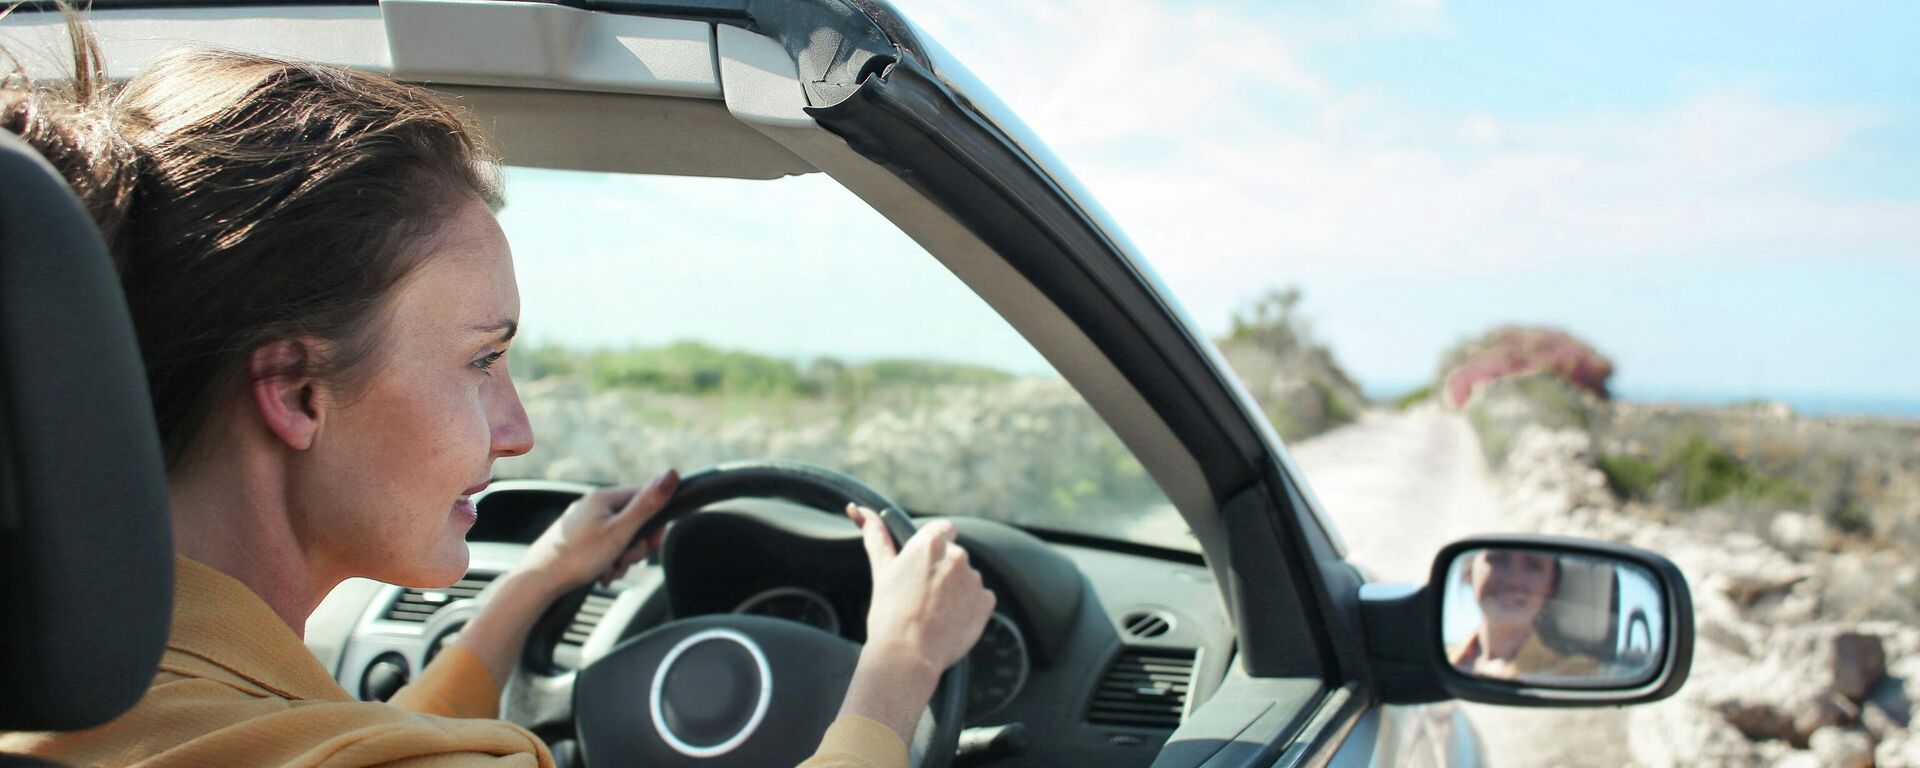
[1096,650]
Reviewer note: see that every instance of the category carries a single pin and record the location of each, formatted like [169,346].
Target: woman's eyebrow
[508,325]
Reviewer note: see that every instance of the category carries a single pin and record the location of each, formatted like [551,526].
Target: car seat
[86,554]
[1581,613]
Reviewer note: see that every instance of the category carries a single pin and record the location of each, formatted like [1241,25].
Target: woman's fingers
[594,538]
[873,534]
[640,507]
[930,605]
[649,500]
[936,537]
[612,498]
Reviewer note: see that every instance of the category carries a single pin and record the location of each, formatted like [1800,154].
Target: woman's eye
[485,364]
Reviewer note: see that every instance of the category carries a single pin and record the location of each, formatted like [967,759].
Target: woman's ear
[284,392]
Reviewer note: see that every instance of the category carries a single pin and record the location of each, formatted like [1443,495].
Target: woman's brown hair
[248,201]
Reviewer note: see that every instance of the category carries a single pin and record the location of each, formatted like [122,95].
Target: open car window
[682,322]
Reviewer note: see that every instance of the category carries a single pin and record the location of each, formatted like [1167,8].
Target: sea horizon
[1803,404]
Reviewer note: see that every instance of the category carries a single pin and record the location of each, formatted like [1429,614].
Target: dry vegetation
[940,437]
[1294,378]
[1810,486]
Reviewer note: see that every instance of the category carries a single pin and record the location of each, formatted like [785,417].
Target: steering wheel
[726,690]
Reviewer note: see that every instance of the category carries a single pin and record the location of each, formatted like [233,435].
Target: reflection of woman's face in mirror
[1511,586]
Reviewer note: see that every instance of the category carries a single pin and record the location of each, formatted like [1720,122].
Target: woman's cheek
[476,434]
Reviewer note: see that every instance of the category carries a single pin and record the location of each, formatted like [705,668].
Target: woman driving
[325,306]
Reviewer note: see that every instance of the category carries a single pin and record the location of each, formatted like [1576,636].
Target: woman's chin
[1502,614]
[447,566]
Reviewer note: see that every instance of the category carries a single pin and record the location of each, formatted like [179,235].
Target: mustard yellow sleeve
[455,684]
[857,742]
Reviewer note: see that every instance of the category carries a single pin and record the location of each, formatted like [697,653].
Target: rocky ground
[1784,672]
[1778,678]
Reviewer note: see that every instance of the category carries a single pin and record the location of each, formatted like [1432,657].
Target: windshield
[661,329]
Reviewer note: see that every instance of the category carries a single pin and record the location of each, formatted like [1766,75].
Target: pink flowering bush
[1519,351]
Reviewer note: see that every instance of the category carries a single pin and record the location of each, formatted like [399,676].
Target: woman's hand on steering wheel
[929,608]
[590,540]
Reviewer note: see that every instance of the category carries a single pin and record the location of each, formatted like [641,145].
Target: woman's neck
[1503,641]
[235,520]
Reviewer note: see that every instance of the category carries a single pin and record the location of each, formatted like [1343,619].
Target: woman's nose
[512,433]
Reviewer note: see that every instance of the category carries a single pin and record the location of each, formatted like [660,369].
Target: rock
[1830,659]
[1809,678]
[1757,718]
[1677,732]
[1798,604]
[1902,641]
[1858,662]
[1798,531]
[1898,752]
[1745,587]
[1726,629]
[1822,712]
[1842,748]
[1798,758]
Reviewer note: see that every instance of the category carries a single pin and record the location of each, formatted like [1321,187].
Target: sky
[1723,198]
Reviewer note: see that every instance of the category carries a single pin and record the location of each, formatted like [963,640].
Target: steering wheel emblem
[710,692]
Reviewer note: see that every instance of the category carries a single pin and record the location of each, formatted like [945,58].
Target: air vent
[1145,624]
[566,655]
[1145,688]
[589,616]
[416,606]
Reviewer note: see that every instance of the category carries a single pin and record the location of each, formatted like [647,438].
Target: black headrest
[86,557]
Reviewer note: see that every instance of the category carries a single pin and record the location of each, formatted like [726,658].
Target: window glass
[681,322]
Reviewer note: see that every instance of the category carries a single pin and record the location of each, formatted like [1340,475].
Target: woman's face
[385,494]
[1511,586]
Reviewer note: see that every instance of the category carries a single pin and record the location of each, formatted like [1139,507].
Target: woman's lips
[463,507]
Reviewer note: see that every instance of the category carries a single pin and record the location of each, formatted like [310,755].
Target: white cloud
[1230,162]
[1085,74]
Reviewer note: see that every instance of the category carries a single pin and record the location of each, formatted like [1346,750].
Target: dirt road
[1399,486]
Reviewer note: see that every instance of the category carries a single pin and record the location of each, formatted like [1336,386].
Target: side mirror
[1533,621]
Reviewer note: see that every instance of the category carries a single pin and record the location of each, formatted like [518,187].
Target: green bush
[1700,472]
[1630,477]
[1851,517]
[1706,473]
[1413,398]
[1338,411]
[694,368]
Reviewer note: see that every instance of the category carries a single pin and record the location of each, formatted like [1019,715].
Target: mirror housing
[1411,662]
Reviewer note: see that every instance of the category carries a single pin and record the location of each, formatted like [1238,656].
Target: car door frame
[889,95]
